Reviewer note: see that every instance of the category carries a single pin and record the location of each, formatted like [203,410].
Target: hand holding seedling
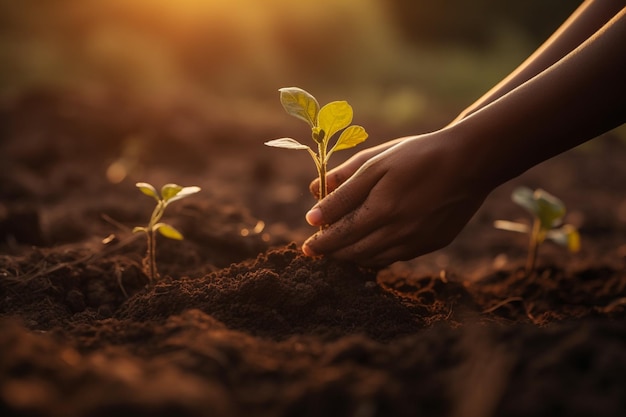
[169,194]
[417,194]
[547,212]
[410,199]
[325,123]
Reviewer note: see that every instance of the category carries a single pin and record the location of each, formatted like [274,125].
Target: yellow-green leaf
[170,190]
[541,204]
[184,192]
[168,231]
[350,137]
[566,235]
[333,117]
[286,143]
[148,190]
[573,240]
[550,209]
[139,229]
[300,104]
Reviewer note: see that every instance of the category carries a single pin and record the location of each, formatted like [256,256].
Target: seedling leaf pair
[546,207]
[325,122]
[548,212]
[169,194]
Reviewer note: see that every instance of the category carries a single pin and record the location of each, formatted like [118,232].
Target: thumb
[344,199]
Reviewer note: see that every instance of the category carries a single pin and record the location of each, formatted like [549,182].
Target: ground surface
[241,324]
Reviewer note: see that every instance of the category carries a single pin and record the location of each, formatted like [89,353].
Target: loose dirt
[241,324]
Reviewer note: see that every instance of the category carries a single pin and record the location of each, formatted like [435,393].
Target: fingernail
[314,216]
[306,249]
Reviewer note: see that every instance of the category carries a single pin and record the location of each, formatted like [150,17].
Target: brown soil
[241,324]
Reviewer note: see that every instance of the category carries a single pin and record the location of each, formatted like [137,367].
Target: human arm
[417,195]
[590,16]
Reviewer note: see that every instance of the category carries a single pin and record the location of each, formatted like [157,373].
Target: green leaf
[550,209]
[350,137]
[567,235]
[286,143]
[184,192]
[541,204]
[333,117]
[524,196]
[168,191]
[168,231]
[148,190]
[300,104]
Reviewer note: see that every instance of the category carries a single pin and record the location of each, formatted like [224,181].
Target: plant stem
[322,172]
[157,213]
[322,169]
[533,247]
[152,255]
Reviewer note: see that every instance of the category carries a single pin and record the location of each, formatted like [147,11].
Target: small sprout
[325,123]
[169,194]
[548,212]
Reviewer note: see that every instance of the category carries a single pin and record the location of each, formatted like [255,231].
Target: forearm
[574,100]
[583,23]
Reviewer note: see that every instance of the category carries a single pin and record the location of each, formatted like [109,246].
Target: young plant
[169,194]
[548,212]
[325,122]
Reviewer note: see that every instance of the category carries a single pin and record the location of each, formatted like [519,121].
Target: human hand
[411,199]
[337,176]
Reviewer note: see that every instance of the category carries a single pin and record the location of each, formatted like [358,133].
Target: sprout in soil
[547,212]
[169,194]
[325,123]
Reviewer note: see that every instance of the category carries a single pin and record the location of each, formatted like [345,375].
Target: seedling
[325,123]
[547,212]
[169,194]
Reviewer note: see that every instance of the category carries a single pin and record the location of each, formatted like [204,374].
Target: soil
[241,324]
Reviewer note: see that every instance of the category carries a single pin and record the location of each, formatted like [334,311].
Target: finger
[380,248]
[394,240]
[386,258]
[396,253]
[336,176]
[334,179]
[333,237]
[346,198]
[351,228]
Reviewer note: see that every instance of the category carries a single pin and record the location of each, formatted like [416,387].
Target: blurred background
[96,95]
[403,64]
